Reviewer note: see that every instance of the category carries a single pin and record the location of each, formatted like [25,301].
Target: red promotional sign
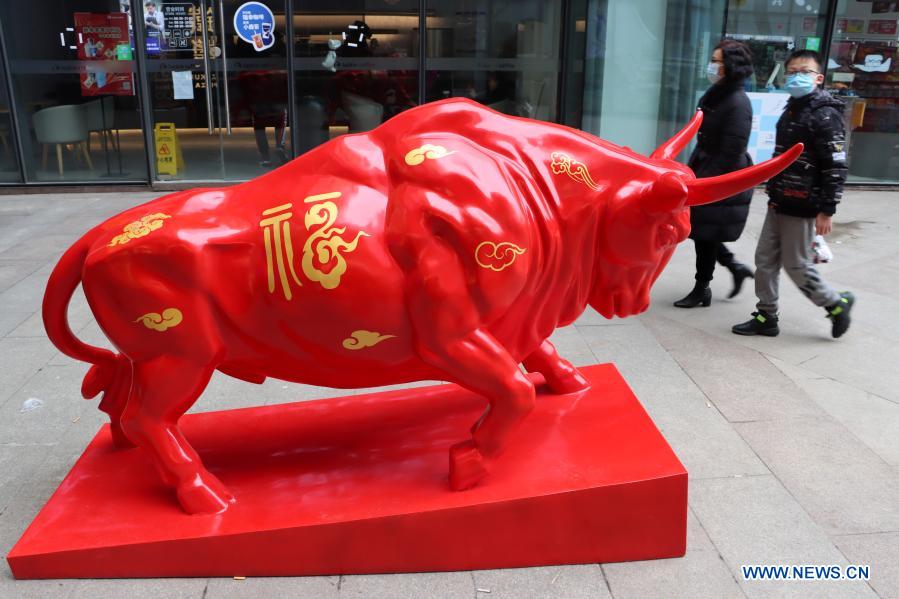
[882,27]
[103,37]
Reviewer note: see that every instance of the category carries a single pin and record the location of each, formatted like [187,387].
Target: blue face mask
[711,72]
[800,84]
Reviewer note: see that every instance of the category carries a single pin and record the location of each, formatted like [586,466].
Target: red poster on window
[104,44]
[882,26]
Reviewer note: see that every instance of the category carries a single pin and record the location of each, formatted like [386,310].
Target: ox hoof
[466,466]
[567,382]
[204,495]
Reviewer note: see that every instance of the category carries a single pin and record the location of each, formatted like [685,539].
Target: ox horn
[673,147]
[713,189]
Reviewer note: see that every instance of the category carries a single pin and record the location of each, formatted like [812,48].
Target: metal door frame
[13,110]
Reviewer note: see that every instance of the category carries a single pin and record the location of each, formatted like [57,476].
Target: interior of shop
[158,91]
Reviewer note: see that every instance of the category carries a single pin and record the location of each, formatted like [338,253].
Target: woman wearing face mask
[720,149]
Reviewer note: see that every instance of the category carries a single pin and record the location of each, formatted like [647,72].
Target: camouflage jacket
[814,183]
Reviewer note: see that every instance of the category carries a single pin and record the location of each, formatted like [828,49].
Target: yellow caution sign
[168,152]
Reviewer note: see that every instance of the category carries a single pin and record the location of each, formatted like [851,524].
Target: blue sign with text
[254,23]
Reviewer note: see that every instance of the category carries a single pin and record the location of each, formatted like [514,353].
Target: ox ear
[671,148]
[667,194]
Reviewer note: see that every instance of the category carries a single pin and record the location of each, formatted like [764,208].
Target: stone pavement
[792,443]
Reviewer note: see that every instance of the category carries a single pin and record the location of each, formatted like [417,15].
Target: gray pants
[786,241]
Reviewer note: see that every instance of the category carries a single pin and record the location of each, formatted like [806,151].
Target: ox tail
[106,366]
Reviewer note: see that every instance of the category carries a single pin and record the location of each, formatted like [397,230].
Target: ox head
[648,217]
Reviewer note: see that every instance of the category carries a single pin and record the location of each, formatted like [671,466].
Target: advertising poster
[766,110]
[254,23]
[103,38]
[882,27]
[154,24]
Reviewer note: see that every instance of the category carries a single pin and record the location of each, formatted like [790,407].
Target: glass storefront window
[73,78]
[226,90]
[863,69]
[218,95]
[645,67]
[502,54]
[573,63]
[355,67]
[772,30]
[9,160]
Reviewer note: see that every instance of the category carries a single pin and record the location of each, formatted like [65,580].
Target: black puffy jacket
[720,149]
[814,183]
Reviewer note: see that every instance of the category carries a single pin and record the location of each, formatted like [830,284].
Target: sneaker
[839,314]
[761,323]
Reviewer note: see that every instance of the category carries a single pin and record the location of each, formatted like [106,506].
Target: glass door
[356,65]
[502,54]
[217,77]
[73,94]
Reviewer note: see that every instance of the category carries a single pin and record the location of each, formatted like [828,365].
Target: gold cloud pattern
[563,163]
[426,152]
[139,228]
[497,256]
[362,339]
[170,317]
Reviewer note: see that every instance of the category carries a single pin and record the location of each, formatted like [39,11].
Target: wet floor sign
[168,152]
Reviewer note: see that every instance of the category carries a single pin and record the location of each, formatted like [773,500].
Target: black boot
[761,323]
[701,294]
[839,314]
[741,272]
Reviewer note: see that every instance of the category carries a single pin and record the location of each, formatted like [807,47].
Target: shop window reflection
[354,70]
[862,69]
[504,55]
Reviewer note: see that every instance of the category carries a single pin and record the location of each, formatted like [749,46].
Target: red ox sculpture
[446,244]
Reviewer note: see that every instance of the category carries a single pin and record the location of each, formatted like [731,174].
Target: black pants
[709,252]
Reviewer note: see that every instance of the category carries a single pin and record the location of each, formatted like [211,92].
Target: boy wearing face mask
[802,200]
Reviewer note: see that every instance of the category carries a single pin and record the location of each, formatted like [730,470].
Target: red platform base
[359,485]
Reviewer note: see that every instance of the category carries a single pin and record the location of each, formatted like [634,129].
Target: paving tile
[873,273]
[700,573]
[741,382]
[21,359]
[34,589]
[312,587]
[79,315]
[867,362]
[26,294]
[568,582]
[49,247]
[10,319]
[700,436]
[591,317]
[844,486]
[873,419]
[58,390]
[879,551]
[18,465]
[167,588]
[755,521]
[13,271]
[391,586]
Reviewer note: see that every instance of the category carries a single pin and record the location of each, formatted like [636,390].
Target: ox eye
[667,236]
